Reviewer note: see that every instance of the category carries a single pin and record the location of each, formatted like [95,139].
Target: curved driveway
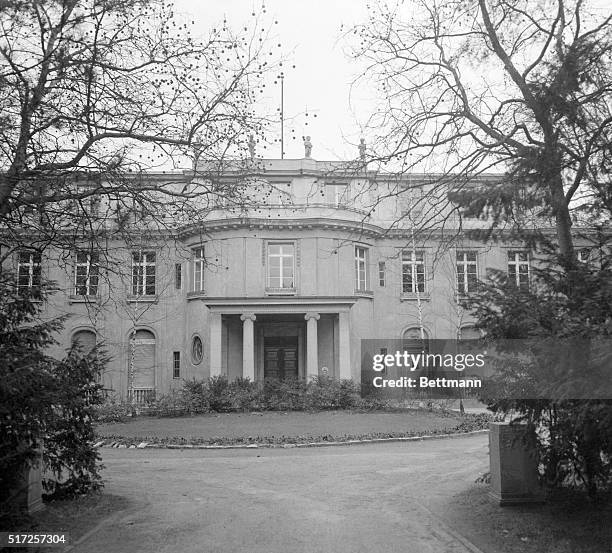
[353,499]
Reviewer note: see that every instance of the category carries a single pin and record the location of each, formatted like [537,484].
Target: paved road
[367,498]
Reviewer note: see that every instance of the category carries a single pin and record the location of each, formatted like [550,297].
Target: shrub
[244,395]
[68,454]
[172,404]
[112,411]
[218,394]
[195,396]
[567,301]
[42,398]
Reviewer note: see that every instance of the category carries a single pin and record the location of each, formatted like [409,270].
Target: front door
[280,357]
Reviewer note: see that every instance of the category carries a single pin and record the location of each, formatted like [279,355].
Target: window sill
[142,299]
[424,296]
[196,294]
[83,299]
[364,293]
[461,297]
[281,291]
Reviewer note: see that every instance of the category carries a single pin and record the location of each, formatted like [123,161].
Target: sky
[317,92]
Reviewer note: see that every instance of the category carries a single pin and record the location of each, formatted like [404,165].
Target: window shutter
[144,360]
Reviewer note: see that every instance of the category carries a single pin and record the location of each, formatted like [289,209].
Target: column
[214,356]
[344,344]
[248,346]
[312,344]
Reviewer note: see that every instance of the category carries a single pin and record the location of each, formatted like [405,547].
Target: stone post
[514,470]
[29,491]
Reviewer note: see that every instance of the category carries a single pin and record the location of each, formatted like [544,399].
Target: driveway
[365,498]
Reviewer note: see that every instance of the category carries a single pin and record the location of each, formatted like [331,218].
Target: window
[143,273]
[467,272]
[199,262]
[178,276]
[382,273]
[86,274]
[84,340]
[336,194]
[415,340]
[413,272]
[469,333]
[28,270]
[176,364]
[281,266]
[361,268]
[141,366]
[383,353]
[197,350]
[518,269]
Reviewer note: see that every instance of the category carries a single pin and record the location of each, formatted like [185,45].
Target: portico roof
[279,304]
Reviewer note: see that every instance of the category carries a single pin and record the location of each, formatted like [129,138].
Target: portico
[279,337]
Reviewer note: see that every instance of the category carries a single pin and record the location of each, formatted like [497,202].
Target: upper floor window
[467,272]
[28,270]
[199,262]
[86,274]
[361,268]
[143,273]
[336,194]
[518,268]
[382,273]
[178,276]
[281,266]
[413,272]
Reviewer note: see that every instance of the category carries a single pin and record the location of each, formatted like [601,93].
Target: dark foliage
[68,452]
[567,303]
[43,401]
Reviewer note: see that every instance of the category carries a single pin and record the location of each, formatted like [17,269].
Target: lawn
[292,427]
[567,524]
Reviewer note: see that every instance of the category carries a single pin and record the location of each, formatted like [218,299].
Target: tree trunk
[562,218]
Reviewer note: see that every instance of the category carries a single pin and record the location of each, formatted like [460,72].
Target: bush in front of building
[219,395]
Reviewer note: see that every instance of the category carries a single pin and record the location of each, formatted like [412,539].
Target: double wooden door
[281,357]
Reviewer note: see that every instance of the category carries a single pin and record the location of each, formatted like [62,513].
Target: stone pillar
[28,493]
[312,344]
[248,346]
[344,344]
[514,469]
[215,344]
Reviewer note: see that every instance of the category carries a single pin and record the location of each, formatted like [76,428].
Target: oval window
[197,350]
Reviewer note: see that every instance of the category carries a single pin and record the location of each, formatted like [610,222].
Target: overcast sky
[310,33]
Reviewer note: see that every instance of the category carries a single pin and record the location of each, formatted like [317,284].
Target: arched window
[85,340]
[468,333]
[415,341]
[142,360]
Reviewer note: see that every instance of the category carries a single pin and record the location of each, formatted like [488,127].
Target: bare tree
[511,86]
[95,94]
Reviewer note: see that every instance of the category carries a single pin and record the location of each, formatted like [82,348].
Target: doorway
[281,357]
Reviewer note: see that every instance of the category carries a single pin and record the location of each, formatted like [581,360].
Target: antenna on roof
[282,114]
